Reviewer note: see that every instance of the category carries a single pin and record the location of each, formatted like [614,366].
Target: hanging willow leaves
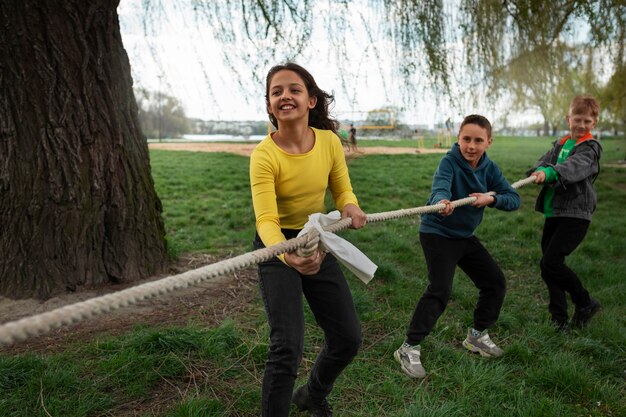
[419,39]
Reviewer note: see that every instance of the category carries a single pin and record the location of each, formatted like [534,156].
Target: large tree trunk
[77,199]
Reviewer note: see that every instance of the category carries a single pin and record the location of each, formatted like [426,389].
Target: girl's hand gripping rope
[308,259]
[359,218]
[306,265]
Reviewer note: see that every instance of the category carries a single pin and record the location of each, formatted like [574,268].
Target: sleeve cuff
[551,174]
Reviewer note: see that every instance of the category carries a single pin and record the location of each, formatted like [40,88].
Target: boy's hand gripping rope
[42,323]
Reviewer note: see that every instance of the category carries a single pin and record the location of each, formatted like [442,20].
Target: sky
[183,60]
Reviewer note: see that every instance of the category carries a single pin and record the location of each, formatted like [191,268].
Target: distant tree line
[161,116]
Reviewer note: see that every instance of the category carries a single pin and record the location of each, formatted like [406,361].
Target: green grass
[206,202]
[199,372]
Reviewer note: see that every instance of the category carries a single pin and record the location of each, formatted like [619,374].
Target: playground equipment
[444,137]
[420,141]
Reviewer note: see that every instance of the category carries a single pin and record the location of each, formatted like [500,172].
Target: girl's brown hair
[318,116]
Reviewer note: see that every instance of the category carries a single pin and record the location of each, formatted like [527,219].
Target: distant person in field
[447,239]
[448,126]
[290,172]
[567,201]
[352,135]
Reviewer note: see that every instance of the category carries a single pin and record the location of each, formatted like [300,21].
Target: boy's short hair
[476,119]
[585,103]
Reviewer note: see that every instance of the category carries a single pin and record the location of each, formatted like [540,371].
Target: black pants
[561,235]
[442,256]
[329,297]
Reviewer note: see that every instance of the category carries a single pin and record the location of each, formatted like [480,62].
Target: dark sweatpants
[442,255]
[561,235]
[330,300]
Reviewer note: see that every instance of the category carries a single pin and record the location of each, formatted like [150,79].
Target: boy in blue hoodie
[448,240]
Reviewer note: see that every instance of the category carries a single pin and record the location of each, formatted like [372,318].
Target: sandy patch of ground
[245,149]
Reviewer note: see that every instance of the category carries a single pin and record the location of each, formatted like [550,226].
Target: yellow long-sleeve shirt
[286,188]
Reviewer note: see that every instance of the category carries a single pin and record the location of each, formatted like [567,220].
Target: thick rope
[45,322]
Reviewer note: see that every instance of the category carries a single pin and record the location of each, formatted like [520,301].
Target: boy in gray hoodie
[448,240]
[567,201]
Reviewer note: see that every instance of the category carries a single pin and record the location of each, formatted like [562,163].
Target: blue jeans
[442,255]
[330,300]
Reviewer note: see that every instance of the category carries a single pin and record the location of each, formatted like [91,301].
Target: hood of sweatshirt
[457,157]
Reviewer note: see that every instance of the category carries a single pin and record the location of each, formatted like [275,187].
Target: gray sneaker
[482,344]
[409,358]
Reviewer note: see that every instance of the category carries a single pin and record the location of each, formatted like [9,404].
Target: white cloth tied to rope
[348,254]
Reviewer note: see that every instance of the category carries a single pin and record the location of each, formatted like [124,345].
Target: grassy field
[217,371]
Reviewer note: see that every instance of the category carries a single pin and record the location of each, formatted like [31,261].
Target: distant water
[221,138]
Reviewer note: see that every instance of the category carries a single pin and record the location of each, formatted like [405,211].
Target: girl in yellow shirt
[290,171]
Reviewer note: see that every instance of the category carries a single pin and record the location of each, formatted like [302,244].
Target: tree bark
[77,200]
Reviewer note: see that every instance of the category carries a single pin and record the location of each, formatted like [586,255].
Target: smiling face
[288,98]
[473,141]
[580,123]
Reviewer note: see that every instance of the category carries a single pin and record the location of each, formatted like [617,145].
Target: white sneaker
[409,358]
[482,344]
